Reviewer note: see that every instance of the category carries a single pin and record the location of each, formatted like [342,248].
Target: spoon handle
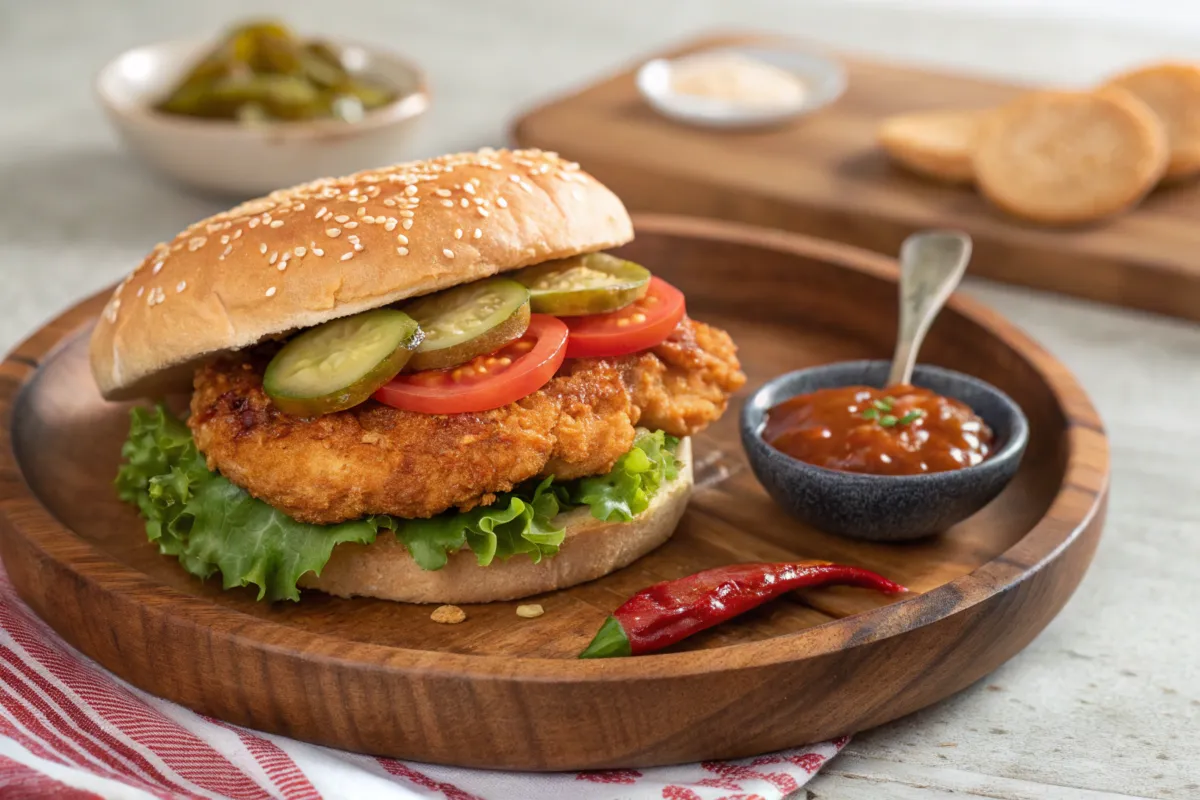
[931,265]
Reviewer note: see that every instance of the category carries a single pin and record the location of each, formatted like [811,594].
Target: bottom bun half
[592,549]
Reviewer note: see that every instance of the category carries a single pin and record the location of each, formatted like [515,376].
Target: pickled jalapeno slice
[468,321]
[593,283]
[339,364]
[262,72]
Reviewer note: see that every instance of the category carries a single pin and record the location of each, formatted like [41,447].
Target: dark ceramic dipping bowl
[884,507]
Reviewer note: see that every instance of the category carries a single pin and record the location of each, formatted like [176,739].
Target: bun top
[302,256]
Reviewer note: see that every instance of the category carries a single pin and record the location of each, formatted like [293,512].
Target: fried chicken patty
[375,459]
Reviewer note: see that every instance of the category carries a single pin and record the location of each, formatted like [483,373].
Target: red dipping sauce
[901,430]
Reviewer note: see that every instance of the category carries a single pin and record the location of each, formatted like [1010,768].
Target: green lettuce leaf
[211,525]
[626,491]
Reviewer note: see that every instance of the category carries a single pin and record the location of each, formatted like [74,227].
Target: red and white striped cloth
[71,730]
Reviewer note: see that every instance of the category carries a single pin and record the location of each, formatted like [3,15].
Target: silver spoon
[931,265]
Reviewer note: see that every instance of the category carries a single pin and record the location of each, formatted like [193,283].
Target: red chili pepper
[662,614]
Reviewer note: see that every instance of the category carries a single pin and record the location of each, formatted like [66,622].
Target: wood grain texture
[826,176]
[379,677]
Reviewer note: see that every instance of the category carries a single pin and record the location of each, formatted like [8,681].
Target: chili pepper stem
[611,640]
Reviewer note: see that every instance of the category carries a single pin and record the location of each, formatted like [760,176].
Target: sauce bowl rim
[754,414]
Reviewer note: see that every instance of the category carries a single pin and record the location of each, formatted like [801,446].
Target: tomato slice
[514,371]
[642,324]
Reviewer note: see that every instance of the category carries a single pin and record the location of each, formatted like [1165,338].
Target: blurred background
[66,179]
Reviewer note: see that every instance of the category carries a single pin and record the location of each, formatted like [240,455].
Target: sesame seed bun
[334,247]
[591,550]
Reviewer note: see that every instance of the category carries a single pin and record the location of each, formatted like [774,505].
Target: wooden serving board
[504,692]
[823,175]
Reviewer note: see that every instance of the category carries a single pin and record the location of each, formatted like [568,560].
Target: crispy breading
[684,384]
[375,459]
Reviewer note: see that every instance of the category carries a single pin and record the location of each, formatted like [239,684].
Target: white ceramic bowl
[824,78]
[229,157]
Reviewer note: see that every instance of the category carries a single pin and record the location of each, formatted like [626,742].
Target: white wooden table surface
[1106,702]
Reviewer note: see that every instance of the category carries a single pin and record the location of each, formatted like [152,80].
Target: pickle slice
[594,283]
[339,364]
[468,321]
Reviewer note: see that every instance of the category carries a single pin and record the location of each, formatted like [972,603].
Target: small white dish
[234,158]
[823,78]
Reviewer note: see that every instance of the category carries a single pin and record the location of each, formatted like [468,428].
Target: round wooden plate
[505,692]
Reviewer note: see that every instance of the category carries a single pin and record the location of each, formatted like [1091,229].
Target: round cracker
[1070,157]
[1172,91]
[935,144]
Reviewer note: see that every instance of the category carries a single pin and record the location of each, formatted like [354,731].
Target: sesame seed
[406,213]
[466,203]
[483,212]
[389,202]
[321,213]
[458,233]
[224,238]
[448,203]
[262,248]
[300,251]
[333,232]
[390,225]
[281,266]
[347,256]
[141,290]
[351,224]
[227,251]
[341,218]
[318,251]
[157,268]
[271,292]
[479,201]
[406,224]
[411,189]
[361,210]
[442,192]
[500,201]
[469,188]
[515,178]
[478,233]
[358,247]
[274,257]
[179,287]
[277,223]
[401,238]
[195,243]
[253,223]
[237,234]
[402,251]
[447,252]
